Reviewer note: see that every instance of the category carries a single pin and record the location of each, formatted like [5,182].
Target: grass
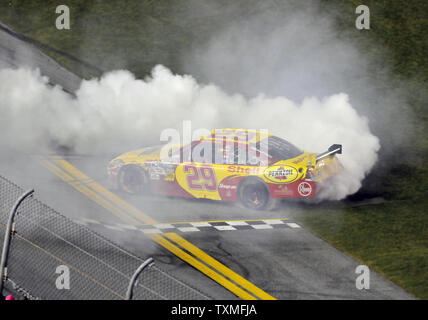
[392,238]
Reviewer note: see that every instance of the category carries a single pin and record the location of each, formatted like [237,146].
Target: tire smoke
[119,112]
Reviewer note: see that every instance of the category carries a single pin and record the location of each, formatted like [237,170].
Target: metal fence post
[130,290]
[7,236]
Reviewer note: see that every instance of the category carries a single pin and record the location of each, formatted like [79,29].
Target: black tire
[133,180]
[254,194]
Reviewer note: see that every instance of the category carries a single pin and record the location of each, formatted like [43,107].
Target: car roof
[243,135]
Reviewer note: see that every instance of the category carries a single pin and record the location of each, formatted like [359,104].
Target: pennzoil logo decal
[281,174]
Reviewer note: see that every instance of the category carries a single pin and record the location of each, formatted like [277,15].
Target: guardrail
[37,240]
[97,71]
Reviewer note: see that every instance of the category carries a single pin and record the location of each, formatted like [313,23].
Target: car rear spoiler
[335,148]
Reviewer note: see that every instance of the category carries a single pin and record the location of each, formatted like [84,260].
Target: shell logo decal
[281,174]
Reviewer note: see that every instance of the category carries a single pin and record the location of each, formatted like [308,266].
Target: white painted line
[127,226]
[164,226]
[150,231]
[82,223]
[293,225]
[112,227]
[86,220]
[224,228]
[273,221]
[188,229]
[237,223]
[261,226]
[200,224]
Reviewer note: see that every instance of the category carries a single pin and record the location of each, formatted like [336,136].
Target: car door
[198,176]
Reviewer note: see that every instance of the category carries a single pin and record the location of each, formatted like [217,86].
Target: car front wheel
[132,180]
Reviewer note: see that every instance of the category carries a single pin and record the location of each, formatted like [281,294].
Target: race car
[248,166]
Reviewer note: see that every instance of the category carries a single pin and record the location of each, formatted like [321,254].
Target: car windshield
[280,149]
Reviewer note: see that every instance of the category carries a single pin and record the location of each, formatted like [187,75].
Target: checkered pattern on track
[186,227]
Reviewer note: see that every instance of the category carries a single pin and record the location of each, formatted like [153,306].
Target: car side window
[202,152]
[253,156]
[242,154]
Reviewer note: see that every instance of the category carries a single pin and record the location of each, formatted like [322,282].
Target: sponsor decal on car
[244,170]
[281,174]
[154,176]
[227,189]
[170,176]
[283,190]
[155,172]
[226,186]
[304,189]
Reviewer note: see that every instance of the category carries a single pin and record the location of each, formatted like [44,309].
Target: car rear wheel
[254,194]
[133,180]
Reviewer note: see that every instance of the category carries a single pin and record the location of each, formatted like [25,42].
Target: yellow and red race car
[249,166]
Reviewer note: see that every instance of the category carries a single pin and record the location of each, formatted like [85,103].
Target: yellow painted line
[213,221]
[219,266]
[89,193]
[82,178]
[203,268]
[103,191]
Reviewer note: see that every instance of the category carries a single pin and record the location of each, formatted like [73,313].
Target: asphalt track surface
[283,263]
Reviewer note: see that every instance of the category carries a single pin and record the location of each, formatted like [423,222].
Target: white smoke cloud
[297,50]
[119,111]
